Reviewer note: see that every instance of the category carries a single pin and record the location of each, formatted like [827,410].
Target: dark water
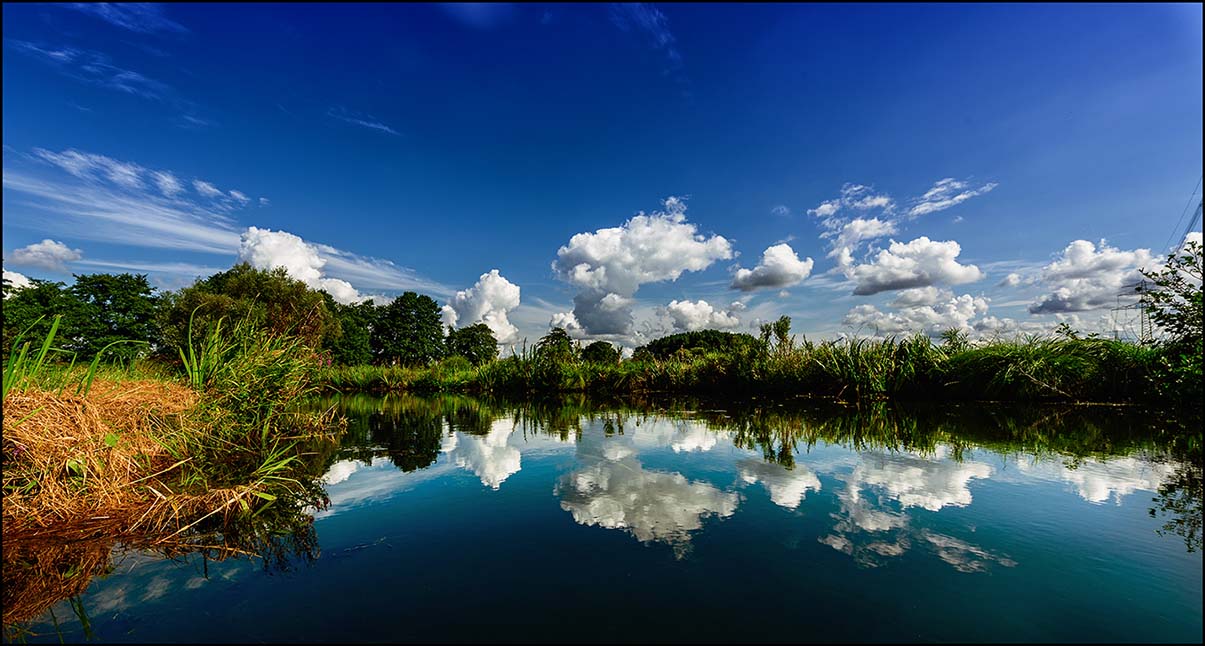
[454,520]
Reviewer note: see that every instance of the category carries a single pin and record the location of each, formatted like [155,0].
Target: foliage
[600,352]
[475,343]
[701,341]
[350,342]
[1174,298]
[408,331]
[267,299]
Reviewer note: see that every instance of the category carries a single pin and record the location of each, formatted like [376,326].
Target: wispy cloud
[99,198]
[142,17]
[648,21]
[95,68]
[944,194]
[361,119]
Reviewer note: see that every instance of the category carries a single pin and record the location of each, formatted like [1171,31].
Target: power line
[1168,244]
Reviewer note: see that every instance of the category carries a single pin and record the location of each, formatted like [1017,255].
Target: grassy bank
[914,368]
[145,451]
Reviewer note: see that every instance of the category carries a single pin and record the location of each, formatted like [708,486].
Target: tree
[702,342]
[408,331]
[350,344]
[1174,298]
[263,298]
[600,352]
[1174,302]
[116,307]
[42,298]
[475,343]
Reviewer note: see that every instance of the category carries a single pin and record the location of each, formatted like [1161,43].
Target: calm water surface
[454,520]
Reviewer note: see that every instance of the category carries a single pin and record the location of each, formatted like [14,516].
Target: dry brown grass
[61,477]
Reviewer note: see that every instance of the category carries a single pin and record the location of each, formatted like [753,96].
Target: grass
[1031,369]
[139,449]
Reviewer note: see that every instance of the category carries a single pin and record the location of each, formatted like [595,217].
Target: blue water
[663,528]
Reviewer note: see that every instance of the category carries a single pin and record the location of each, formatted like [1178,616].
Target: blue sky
[925,166]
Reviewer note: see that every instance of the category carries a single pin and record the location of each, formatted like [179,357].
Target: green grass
[1028,369]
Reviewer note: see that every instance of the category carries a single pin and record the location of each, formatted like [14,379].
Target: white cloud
[94,68]
[362,120]
[1097,481]
[1085,278]
[787,487]
[263,201]
[167,183]
[488,301]
[779,267]
[206,189]
[16,280]
[490,457]
[240,197]
[946,193]
[267,249]
[609,265]
[95,167]
[919,296]
[928,483]
[956,312]
[47,254]
[687,316]
[106,206]
[826,209]
[919,263]
[780,210]
[612,489]
[142,17]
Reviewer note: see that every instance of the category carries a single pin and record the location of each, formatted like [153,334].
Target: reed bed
[913,368]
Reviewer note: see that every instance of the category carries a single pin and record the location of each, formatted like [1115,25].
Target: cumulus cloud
[612,489]
[787,487]
[609,265]
[267,249]
[1098,482]
[47,254]
[687,316]
[847,222]
[1087,278]
[918,296]
[956,312]
[919,263]
[15,280]
[946,193]
[488,301]
[490,457]
[779,267]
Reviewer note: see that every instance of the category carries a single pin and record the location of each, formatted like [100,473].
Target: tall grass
[916,368]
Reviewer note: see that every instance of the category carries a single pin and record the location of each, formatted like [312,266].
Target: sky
[623,171]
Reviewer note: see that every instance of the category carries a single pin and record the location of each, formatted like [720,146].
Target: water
[454,520]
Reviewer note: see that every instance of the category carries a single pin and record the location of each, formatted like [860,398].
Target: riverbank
[915,368]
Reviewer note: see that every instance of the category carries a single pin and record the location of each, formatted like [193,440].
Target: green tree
[350,343]
[45,299]
[1174,296]
[408,331]
[268,299]
[1173,299]
[600,352]
[702,342]
[475,343]
[116,307]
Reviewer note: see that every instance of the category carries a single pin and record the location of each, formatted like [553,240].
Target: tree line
[98,309]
